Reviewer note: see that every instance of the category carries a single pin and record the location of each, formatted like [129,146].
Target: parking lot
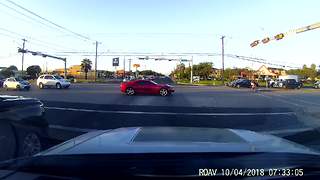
[89,106]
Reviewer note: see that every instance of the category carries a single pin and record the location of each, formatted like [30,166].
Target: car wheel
[238,86]
[18,87]
[164,92]
[41,86]
[6,87]
[28,143]
[130,91]
[58,86]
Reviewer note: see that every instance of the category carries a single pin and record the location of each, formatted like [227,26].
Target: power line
[25,20]
[245,58]
[28,16]
[44,42]
[50,22]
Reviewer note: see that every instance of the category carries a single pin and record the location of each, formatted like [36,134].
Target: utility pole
[191,71]
[129,64]
[96,63]
[23,46]
[222,54]
[124,67]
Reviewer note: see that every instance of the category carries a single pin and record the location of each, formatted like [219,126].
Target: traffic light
[255,43]
[265,40]
[279,36]
[21,50]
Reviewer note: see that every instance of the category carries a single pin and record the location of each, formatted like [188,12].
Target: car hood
[17,100]
[174,140]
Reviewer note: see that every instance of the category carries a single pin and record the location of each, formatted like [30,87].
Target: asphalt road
[86,107]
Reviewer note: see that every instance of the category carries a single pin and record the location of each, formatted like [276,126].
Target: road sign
[115,62]
[136,65]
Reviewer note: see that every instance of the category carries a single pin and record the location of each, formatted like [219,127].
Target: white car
[49,80]
[16,83]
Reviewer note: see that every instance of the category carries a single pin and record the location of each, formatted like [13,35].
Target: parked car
[16,83]
[145,87]
[317,85]
[55,81]
[23,128]
[242,83]
[291,83]
[232,83]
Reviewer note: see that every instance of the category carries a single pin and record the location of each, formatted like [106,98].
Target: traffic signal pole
[222,58]
[46,55]
[191,71]
[96,63]
[22,58]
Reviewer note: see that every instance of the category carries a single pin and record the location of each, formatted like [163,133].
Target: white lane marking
[171,113]
[307,102]
[287,131]
[279,99]
[295,98]
[82,130]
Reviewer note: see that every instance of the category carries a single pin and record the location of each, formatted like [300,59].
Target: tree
[203,69]
[7,73]
[86,66]
[305,72]
[13,68]
[149,73]
[34,71]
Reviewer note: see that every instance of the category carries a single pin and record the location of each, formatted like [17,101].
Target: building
[216,73]
[270,72]
[75,70]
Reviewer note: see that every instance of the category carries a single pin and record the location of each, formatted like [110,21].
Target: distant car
[16,83]
[242,83]
[55,81]
[232,83]
[23,128]
[291,83]
[317,85]
[145,87]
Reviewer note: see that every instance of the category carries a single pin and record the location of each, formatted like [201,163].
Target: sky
[160,26]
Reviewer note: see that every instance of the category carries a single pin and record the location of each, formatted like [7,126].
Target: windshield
[58,77]
[233,69]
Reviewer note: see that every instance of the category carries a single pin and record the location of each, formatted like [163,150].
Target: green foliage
[33,71]
[13,68]
[86,66]
[203,69]
[150,73]
[6,73]
[305,72]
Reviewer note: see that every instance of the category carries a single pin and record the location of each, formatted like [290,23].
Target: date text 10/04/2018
[250,172]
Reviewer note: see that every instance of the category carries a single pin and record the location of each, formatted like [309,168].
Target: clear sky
[161,26]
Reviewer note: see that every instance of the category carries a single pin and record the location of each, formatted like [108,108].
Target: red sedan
[145,87]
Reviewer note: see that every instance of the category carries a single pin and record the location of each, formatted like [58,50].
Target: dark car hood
[8,98]
[7,101]
[174,140]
